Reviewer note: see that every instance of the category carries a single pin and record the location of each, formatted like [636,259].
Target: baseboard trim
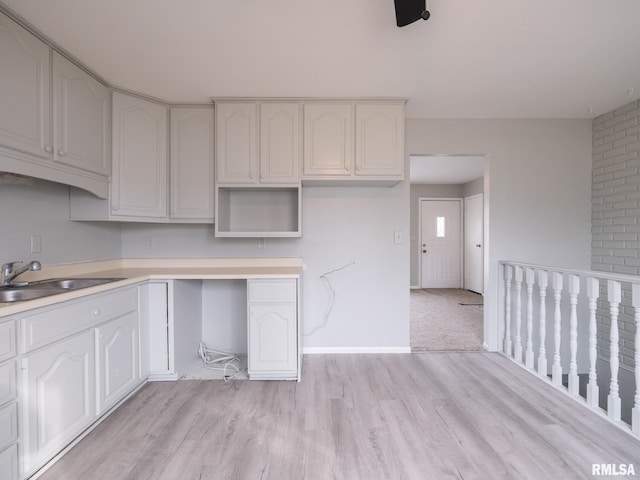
[415,287]
[339,350]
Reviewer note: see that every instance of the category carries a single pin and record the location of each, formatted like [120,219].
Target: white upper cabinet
[280,143]
[24,91]
[236,143]
[258,143]
[139,178]
[69,145]
[359,141]
[192,168]
[328,139]
[379,140]
[81,118]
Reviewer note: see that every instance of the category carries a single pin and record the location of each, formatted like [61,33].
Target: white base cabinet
[59,397]
[118,360]
[273,329]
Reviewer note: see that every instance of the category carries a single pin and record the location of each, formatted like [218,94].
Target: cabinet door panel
[272,337]
[192,163]
[280,143]
[236,142]
[59,396]
[328,139]
[81,113]
[379,140]
[24,91]
[117,346]
[139,183]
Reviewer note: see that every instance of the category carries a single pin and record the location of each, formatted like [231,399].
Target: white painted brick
[602,132]
[603,118]
[617,135]
[627,139]
[615,166]
[623,221]
[632,122]
[616,182]
[612,122]
[627,188]
[603,148]
[625,270]
[614,228]
[627,172]
[633,130]
[613,152]
[632,147]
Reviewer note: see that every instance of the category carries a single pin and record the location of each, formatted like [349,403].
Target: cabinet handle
[115,207]
[96,312]
[62,153]
[346,167]
[48,149]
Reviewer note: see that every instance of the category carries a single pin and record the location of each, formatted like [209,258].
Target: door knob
[478,245]
[424,251]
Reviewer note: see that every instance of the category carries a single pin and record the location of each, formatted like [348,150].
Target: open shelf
[258,212]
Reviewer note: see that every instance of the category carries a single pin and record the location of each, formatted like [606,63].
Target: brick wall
[615,223]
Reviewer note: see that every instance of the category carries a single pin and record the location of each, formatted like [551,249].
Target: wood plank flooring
[416,416]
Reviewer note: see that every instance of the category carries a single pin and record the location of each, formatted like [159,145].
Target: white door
[440,243]
[473,243]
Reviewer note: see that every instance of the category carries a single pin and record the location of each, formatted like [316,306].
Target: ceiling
[445,169]
[496,59]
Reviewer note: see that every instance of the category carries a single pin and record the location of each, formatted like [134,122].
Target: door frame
[460,200]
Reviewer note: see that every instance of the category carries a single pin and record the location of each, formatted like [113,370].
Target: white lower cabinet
[273,329]
[78,359]
[58,397]
[118,360]
[9,469]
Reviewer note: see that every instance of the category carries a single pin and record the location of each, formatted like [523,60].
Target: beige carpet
[446,319]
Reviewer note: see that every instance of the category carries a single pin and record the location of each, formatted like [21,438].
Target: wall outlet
[36,244]
[148,243]
[261,243]
[397,237]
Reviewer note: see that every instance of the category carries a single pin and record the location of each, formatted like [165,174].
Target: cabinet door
[24,91]
[59,397]
[380,140]
[139,178]
[192,163]
[81,118]
[118,367]
[236,143]
[272,337]
[280,143]
[328,140]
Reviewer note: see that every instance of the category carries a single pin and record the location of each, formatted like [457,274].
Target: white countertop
[133,271]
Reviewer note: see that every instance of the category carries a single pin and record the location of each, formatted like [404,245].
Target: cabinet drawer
[8,377]
[9,463]
[7,340]
[272,291]
[54,323]
[8,425]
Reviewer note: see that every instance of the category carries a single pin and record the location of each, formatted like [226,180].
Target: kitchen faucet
[9,274]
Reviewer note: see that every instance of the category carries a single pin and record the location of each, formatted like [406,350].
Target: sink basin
[70,283]
[46,288]
[20,294]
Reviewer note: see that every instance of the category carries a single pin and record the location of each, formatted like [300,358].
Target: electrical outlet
[261,243]
[397,237]
[148,243]
[36,244]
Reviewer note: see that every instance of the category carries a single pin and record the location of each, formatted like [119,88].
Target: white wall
[340,226]
[42,208]
[537,187]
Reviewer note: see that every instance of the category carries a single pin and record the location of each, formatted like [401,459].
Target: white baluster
[556,369]
[518,346]
[530,276]
[635,411]
[543,280]
[574,290]
[593,292]
[508,277]
[613,400]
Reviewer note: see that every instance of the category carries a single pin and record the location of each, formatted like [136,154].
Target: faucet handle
[8,267]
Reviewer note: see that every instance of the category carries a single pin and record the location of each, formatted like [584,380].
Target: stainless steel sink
[71,283]
[46,288]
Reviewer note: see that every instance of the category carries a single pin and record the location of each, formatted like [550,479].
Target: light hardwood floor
[415,416]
